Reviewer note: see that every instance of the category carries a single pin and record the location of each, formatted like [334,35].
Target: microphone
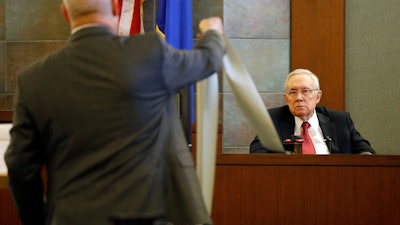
[328,141]
[293,145]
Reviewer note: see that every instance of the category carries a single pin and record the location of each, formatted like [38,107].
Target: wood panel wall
[8,212]
[6,116]
[317,44]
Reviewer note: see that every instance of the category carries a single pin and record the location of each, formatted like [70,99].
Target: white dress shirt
[315,133]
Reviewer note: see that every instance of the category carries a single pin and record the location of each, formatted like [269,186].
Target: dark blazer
[337,127]
[100,115]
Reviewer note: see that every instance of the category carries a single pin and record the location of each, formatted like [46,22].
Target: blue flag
[174,20]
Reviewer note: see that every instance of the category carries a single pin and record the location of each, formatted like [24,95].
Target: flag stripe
[136,23]
[131,20]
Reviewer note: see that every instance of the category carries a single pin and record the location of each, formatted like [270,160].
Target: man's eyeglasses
[304,92]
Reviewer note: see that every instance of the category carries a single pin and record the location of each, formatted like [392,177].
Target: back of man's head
[81,12]
[82,8]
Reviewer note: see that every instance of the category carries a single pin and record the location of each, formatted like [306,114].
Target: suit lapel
[90,31]
[286,124]
[326,127]
[328,131]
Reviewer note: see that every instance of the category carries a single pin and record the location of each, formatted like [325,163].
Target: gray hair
[304,71]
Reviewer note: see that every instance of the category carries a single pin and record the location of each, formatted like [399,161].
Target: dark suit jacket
[100,115]
[337,127]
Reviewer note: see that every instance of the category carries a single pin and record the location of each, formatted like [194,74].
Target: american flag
[131,20]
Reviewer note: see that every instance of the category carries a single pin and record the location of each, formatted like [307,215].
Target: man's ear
[319,95]
[286,99]
[65,13]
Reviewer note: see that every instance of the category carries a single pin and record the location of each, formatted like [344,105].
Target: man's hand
[212,23]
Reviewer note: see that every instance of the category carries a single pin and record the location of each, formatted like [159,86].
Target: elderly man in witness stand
[99,114]
[325,131]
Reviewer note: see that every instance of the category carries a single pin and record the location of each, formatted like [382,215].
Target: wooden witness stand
[306,189]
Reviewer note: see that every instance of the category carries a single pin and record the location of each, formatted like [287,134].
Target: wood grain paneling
[317,44]
[306,190]
[8,212]
[6,116]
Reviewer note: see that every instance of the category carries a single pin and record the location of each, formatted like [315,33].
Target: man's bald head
[80,12]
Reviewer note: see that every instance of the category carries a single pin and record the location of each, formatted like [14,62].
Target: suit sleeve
[276,114]
[359,144]
[257,147]
[184,67]
[24,164]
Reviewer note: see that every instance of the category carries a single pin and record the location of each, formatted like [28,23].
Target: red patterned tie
[308,146]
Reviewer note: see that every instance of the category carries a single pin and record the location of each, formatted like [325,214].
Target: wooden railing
[307,189]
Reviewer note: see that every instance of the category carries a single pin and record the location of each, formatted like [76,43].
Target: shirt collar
[76,29]
[313,120]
